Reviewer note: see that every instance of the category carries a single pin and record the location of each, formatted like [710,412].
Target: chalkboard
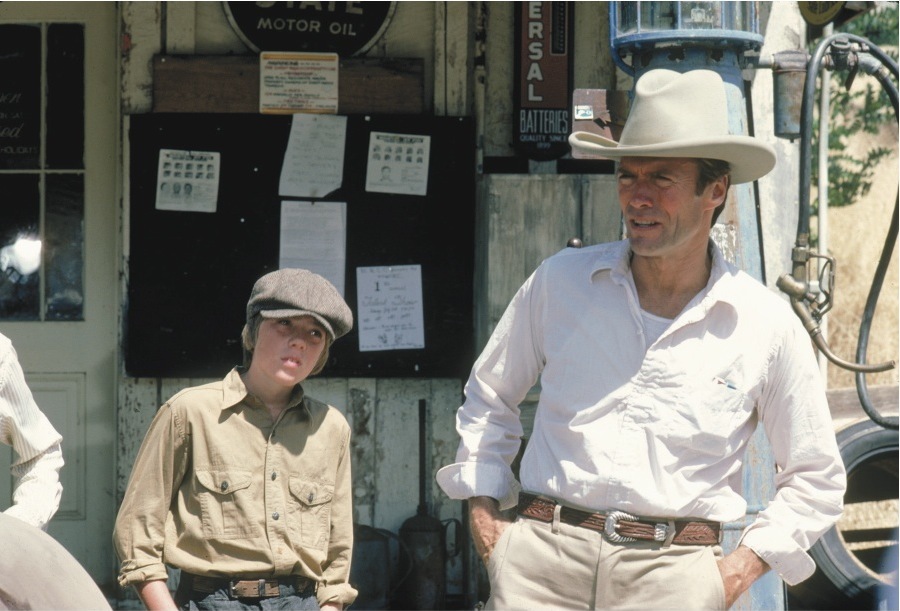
[190,273]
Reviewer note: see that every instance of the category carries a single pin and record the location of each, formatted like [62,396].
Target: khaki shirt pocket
[311,511]
[227,500]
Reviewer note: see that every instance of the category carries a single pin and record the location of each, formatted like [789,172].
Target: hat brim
[291,313]
[748,157]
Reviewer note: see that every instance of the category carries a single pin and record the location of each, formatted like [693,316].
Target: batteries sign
[543,86]
[345,28]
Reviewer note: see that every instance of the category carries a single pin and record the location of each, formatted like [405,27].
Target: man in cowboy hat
[656,360]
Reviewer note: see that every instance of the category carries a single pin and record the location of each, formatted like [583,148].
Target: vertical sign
[20,96]
[543,86]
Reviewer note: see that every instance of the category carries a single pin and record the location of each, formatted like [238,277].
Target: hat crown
[685,115]
[673,107]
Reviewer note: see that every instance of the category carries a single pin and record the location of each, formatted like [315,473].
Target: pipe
[837,51]
[824,116]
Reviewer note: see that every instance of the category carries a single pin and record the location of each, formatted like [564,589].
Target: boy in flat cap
[244,484]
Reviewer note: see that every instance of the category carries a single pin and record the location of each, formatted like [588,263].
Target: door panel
[67,344]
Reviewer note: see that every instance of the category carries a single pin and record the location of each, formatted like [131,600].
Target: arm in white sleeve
[36,443]
[488,422]
[38,490]
[811,480]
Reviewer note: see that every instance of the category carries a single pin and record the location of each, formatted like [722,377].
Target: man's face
[664,216]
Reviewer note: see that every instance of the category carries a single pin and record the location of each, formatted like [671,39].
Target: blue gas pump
[716,36]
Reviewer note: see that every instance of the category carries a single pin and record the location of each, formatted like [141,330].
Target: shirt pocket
[311,511]
[706,417]
[226,502]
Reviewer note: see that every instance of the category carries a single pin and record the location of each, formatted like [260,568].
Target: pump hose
[862,389]
[799,269]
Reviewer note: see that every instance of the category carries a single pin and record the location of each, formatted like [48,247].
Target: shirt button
[275,515]
[223,486]
[310,498]
[273,476]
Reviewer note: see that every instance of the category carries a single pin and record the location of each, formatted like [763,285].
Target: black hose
[862,389]
[806,116]
[801,251]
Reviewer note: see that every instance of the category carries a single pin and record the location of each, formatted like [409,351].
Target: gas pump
[723,37]
[864,576]
[852,54]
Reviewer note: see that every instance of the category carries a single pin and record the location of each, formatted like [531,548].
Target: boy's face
[287,349]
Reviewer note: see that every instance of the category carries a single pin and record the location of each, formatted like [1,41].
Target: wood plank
[141,38]
[453,49]
[230,84]
[601,215]
[397,450]
[529,218]
[846,407]
[139,400]
[181,27]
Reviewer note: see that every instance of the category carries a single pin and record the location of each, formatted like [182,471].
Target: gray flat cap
[300,292]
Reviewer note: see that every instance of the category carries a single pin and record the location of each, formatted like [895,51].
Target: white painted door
[58,184]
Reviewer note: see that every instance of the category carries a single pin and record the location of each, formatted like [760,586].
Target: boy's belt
[621,527]
[252,588]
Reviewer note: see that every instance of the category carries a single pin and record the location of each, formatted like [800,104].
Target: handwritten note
[389,306]
[313,163]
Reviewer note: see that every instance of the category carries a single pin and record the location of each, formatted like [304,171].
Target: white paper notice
[314,237]
[389,308]
[298,82]
[313,163]
[187,181]
[398,163]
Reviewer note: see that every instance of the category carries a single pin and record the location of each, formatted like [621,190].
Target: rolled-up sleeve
[811,479]
[488,422]
[139,533]
[25,427]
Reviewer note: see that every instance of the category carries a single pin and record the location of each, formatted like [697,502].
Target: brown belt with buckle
[621,527]
[249,588]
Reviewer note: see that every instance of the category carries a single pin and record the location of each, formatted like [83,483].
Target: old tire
[857,559]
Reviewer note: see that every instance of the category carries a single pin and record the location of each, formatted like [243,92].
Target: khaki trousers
[536,565]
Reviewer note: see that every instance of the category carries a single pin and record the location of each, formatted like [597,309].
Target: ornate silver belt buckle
[609,526]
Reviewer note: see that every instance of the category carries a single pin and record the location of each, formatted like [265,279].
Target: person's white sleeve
[36,443]
[488,422]
[811,479]
[37,494]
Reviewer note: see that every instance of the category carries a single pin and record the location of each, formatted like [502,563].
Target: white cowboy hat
[682,115]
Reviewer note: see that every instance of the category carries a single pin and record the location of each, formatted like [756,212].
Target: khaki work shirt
[219,490]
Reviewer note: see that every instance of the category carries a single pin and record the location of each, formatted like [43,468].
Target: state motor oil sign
[543,87]
[345,28]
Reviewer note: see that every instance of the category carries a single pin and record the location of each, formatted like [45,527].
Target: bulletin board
[190,273]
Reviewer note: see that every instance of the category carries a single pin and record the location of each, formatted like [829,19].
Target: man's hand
[739,570]
[486,523]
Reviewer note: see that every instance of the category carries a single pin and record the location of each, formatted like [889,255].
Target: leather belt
[250,588]
[621,527]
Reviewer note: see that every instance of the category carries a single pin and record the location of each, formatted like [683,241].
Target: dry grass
[857,235]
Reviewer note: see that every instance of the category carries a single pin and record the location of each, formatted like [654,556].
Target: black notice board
[190,273]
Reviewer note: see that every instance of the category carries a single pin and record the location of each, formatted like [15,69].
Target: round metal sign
[820,13]
[345,28]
